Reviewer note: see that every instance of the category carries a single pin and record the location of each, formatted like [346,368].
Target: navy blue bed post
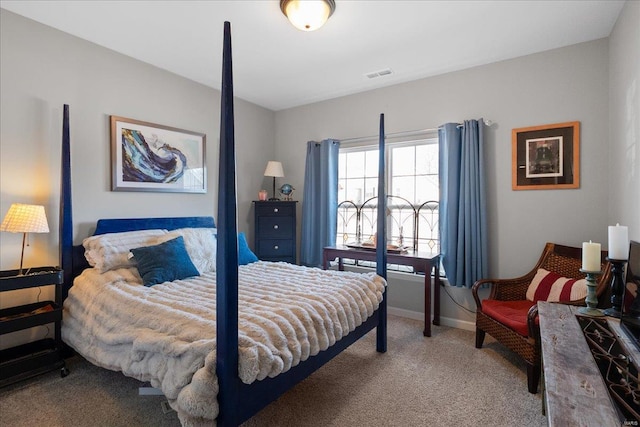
[381,245]
[65,239]
[227,252]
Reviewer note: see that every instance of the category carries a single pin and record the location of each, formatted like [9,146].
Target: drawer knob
[275,209]
[275,227]
[276,247]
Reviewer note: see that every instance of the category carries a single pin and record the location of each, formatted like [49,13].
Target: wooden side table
[420,262]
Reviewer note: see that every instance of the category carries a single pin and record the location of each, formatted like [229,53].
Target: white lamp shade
[23,218]
[307,15]
[274,169]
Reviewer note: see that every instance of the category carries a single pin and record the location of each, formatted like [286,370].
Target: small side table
[421,263]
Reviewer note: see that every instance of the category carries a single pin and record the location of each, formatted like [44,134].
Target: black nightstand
[34,358]
[275,237]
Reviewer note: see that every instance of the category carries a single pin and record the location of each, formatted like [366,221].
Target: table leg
[427,300]
[436,293]
[340,264]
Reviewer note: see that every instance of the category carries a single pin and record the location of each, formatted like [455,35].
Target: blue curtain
[320,203]
[463,225]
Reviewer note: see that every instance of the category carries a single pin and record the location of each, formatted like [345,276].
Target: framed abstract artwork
[150,157]
[546,157]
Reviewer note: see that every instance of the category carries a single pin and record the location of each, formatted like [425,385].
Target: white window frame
[372,145]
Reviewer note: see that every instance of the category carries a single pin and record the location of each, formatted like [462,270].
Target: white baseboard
[444,321]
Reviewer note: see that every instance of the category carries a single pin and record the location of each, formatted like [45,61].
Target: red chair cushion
[512,314]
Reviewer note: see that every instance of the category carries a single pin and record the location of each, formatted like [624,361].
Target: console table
[420,262]
[574,390]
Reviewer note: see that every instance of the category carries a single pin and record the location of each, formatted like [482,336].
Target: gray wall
[42,69]
[595,83]
[568,84]
[624,120]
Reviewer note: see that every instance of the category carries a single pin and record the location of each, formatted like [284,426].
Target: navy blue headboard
[119,225]
[105,226]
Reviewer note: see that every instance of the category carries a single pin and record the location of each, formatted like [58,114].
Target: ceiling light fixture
[308,15]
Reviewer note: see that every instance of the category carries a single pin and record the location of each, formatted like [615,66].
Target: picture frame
[151,157]
[546,157]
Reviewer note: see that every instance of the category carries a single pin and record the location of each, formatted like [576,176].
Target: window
[412,187]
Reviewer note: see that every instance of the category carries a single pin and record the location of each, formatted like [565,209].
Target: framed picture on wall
[151,157]
[546,157]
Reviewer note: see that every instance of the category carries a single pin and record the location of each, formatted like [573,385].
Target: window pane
[346,224]
[342,192]
[427,159]
[355,189]
[371,159]
[402,161]
[426,188]
[371,188]
[355,164]
[342,165]
[412,171]
[402,186]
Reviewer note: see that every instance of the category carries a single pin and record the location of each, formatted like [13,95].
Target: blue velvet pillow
[245,256]
[165,262]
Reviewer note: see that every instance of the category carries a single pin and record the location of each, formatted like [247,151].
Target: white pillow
[200,244]
[106,252]
[549,286]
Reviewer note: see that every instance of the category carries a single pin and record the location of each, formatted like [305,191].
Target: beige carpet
[437,381]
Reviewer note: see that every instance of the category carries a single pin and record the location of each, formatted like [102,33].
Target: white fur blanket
[165,334]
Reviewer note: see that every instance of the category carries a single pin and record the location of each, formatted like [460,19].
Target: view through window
[412,188]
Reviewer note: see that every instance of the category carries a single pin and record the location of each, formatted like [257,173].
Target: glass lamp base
[613,312]
[588,311]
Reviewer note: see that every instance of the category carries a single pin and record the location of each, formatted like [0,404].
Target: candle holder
[591,300]
[617,287]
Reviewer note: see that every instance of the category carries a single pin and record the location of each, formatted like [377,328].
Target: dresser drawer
[274,227]
[276,209]
[269,248]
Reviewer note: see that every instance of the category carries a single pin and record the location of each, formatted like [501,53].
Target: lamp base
[588,311]
[613,312]
[274,199]
[617,287]
[591,300]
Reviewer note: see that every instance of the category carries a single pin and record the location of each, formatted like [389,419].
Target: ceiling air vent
[380,73]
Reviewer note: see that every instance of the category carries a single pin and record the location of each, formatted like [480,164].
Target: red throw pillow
[549,286]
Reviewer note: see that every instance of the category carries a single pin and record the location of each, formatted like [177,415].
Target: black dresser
[275,237]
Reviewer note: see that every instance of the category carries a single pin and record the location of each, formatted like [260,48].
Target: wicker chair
[563,260]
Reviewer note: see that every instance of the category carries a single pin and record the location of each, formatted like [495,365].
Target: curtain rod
[401,134]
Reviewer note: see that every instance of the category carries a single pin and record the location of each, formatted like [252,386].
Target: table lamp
[274,169]
[25,219]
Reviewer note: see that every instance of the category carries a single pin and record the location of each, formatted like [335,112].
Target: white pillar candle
[591,256]
[618,242]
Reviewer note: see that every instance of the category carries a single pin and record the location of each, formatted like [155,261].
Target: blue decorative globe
[287,190]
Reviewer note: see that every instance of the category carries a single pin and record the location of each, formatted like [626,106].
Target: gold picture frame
[546,157]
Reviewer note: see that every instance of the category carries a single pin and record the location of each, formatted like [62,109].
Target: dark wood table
[420,262]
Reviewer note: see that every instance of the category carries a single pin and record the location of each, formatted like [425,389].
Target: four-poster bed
[353,303]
